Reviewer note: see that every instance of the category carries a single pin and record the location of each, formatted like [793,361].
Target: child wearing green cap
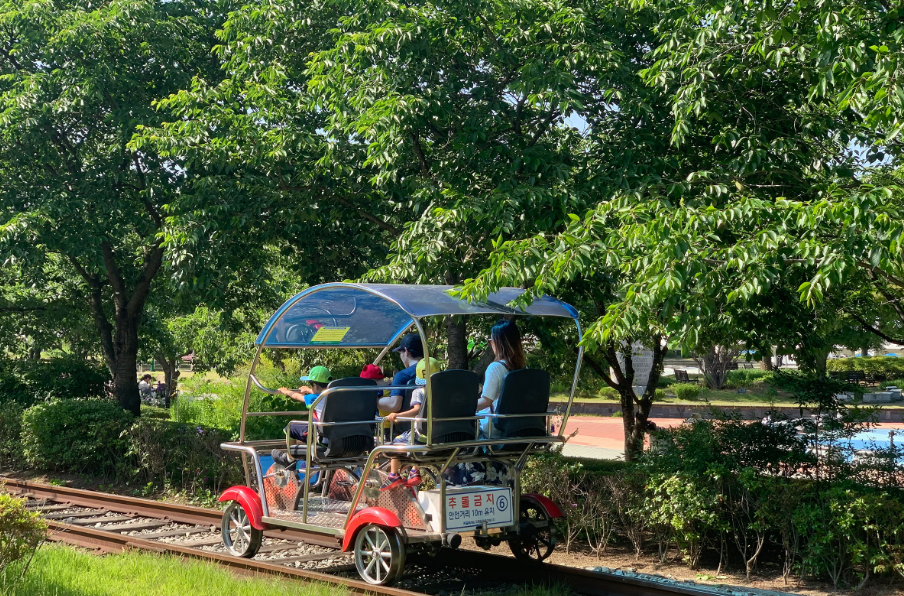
[317,379]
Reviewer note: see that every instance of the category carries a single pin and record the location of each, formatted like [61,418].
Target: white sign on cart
[469,507]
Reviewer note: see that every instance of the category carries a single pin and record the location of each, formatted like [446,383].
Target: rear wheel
[537,539]
[379,554]
[239,537]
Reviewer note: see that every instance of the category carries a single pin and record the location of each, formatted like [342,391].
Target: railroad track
[113,523]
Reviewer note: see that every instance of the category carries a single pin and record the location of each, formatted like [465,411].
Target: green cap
[319,374]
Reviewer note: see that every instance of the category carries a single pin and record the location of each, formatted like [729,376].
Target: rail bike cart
[332,487]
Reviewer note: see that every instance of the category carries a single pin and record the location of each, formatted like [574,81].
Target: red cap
[372,371]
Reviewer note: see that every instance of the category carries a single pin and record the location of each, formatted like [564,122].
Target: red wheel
[239,537]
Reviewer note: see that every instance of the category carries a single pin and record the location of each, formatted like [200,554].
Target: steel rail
[490,566]
[114,542]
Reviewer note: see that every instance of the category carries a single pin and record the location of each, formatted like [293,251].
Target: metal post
[254,362]
[574,384]
[307,463]
[429,396]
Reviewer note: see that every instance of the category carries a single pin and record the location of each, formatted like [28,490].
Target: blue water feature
[877,438]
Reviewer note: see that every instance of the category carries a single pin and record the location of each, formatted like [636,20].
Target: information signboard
[469,507]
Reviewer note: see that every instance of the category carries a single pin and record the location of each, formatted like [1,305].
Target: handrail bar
[261,387]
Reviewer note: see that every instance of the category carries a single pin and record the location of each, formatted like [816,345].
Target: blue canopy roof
[374,315]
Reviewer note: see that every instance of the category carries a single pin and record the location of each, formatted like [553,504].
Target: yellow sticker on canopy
[329,335]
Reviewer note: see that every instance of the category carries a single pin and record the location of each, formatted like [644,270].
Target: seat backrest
[681,375]
[524,391]
[455,395]
[350,440]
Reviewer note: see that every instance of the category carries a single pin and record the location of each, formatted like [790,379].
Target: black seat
[455,395]
[524,391]
[348,440]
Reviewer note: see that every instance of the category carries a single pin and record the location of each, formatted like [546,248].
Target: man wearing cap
[411,351]
[317,379]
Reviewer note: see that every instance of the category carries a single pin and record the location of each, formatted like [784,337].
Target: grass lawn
[60,570]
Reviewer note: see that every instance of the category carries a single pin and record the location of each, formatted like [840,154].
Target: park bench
[855,377]
[681,376]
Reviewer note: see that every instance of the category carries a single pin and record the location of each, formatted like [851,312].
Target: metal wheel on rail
[239,537]
[379,554]
[537,539]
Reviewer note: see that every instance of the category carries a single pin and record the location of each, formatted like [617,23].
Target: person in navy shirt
[411,351]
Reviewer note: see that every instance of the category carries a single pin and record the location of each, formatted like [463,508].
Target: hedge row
[32,381]
[742,494]
[97,437]
[888,366]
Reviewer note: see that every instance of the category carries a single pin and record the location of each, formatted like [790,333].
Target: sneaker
[280,457]
[392,481]
[414,478]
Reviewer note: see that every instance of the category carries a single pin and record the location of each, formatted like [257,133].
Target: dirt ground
[767,577]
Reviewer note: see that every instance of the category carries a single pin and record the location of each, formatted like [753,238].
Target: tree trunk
[766,363]
[715,363]
[170,375]
[635,411]
[457,346]
[119,341]
[125,378]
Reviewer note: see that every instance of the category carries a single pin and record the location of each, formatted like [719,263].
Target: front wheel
[239,537]
[379,554]
[537,538]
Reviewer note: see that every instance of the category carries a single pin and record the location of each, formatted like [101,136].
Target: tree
[215,340]
[804,103]
[418,132]
[77,81]
[42,309]
[461,108]
[715,179]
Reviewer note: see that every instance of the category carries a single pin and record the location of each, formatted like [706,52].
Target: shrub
[79,436]
[32,381]
[21,533]
[181,455]
[219,405]
[682,508]
[686,391]
[746,378]
[10,434]
[609,393]
[887,366]
[659,395]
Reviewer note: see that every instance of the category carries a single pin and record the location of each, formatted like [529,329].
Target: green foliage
[886,366]
[609,393]
[659,395]
[10,434]
[686,391]
[747,377]
[21,533]
[29,381]
[62,570]
[684,508]
[219,405]
[79,435]
[185,456]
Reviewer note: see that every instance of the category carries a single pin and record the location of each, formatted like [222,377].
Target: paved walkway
[604,438]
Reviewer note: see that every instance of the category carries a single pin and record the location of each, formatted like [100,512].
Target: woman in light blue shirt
[505,341]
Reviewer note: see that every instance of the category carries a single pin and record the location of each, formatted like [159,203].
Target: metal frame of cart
[375,316]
